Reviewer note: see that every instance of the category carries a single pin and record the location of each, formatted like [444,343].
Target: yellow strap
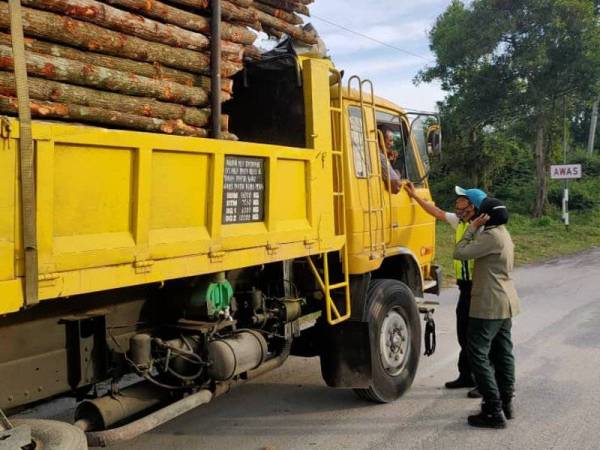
[26,150]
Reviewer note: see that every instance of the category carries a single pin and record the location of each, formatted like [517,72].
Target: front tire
[395,340]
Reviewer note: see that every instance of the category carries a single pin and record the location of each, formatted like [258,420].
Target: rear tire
[54,435]
[395,339]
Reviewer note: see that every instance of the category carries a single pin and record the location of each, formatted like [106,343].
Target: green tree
[514,64]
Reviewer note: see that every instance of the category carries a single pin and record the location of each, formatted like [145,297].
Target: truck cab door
[408,226]
[366,212]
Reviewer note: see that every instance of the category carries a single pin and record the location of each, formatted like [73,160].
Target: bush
[590,163]
[580,196]
[544,221]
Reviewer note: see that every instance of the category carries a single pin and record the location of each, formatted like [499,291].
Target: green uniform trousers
[491,357]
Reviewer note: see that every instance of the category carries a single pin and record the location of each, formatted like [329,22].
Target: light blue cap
[475,196]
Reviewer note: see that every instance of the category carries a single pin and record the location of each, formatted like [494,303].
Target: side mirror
[434,142]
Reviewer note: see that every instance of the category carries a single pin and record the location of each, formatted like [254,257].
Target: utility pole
[593,123]
[565,199]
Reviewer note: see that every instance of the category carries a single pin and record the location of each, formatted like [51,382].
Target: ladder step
[338,285]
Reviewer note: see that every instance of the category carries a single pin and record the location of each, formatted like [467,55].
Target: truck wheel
[395,335]
[53,435]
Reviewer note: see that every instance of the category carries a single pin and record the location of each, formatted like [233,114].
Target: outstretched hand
[480,221]
[410,189]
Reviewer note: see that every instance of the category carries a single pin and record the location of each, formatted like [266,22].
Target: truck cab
[384,227]
[384,230]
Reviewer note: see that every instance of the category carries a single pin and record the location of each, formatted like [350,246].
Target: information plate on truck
[243,189]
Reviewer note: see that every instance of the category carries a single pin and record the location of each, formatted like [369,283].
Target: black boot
[461,382]
[474,393]
[507,407]
[490,416]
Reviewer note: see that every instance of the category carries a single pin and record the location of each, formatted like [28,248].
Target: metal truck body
[152,248]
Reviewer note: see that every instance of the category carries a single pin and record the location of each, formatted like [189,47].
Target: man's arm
[473,246]
[386,169]
[429,208]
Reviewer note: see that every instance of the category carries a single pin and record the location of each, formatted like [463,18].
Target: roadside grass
[535,239]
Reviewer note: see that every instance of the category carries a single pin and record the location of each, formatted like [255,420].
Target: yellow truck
[195,264]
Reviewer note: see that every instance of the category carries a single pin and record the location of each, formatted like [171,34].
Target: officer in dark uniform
[494,302]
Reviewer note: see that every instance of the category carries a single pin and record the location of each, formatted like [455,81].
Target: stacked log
[279,17]
[149,58]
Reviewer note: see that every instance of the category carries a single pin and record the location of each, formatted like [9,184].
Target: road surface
[557,339]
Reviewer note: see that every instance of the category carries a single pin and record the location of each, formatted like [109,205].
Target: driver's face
[389,140]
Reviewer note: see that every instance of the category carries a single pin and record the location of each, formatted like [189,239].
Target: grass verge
[535,239]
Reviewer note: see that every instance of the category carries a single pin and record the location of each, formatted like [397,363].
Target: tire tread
[370,394]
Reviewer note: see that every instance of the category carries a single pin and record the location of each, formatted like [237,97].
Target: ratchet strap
[27,156]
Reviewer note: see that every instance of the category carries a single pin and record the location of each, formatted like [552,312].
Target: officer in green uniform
[465,209]
[493,305]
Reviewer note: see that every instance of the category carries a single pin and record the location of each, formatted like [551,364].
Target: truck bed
[121,208]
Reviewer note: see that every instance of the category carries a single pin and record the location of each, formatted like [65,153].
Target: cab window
[399,149]
[420,128]
[357,138]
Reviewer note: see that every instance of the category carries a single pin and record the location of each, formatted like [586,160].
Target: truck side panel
[118,208]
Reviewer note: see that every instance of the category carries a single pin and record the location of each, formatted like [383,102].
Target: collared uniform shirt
[493,295]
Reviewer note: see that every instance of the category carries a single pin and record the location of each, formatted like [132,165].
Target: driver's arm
[394,178]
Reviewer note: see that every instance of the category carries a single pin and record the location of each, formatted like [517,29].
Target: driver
[386,155]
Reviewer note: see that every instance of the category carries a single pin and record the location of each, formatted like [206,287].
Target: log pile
[279,17]
[136,64]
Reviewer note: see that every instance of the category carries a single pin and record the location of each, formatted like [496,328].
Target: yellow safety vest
[463,270]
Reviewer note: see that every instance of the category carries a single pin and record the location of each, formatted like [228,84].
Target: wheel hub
[393,342]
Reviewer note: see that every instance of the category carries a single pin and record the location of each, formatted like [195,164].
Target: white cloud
[382,64]
[407,95]
[342,42]
[359,13]
[400,24]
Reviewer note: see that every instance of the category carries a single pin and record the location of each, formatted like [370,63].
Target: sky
[402,24]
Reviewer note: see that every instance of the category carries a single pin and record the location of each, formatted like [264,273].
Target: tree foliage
[513,69]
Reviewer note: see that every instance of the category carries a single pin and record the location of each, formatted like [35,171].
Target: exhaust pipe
[105,411]
[149,422]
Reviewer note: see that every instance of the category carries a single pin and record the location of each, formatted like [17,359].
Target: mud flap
[346,355]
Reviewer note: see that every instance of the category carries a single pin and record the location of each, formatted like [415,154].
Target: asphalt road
[557,340]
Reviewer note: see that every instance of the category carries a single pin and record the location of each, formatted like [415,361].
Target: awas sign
[565,171]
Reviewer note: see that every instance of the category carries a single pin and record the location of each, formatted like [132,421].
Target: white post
[565,206]
[594,121]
